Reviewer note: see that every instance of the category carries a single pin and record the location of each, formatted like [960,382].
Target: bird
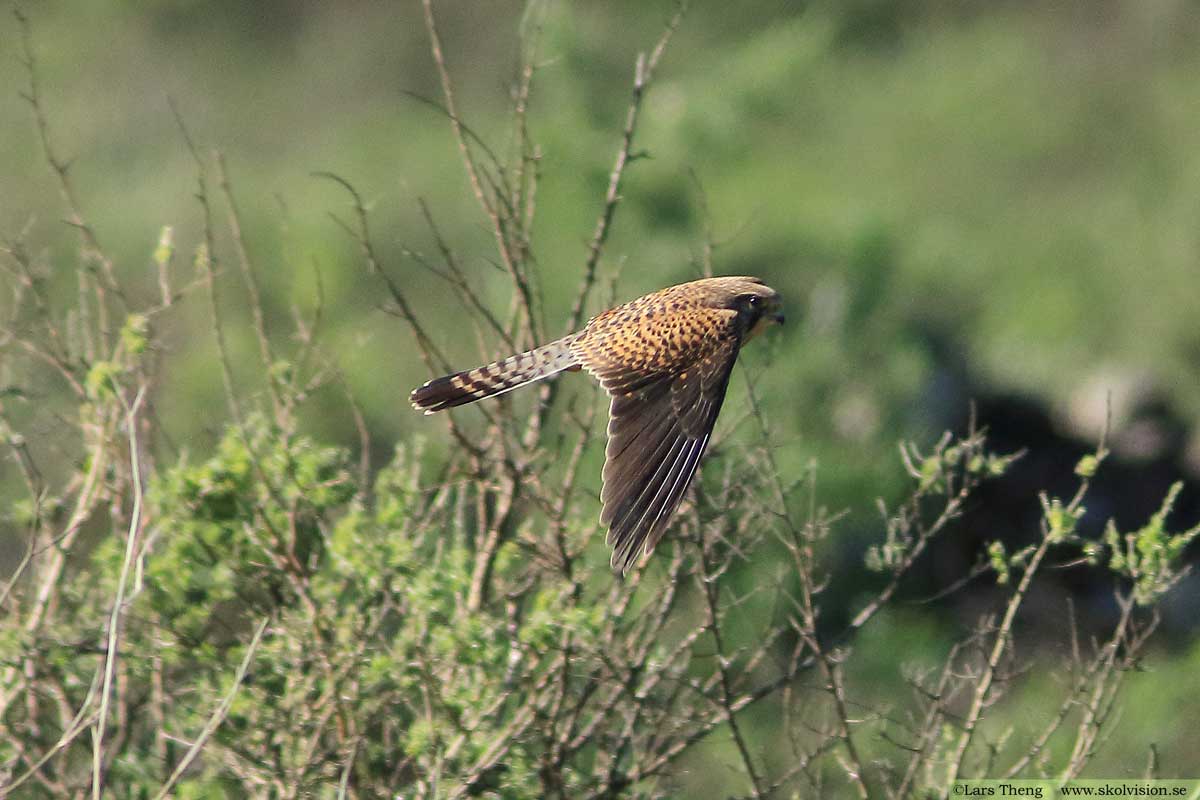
[664,360]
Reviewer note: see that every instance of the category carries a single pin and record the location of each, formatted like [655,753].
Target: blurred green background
[955,199]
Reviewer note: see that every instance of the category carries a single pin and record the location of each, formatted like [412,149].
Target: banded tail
[495,378]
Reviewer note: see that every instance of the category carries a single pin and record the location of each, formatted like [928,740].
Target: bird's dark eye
[754,300]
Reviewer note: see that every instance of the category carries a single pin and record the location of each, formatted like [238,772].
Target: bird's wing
[659,425]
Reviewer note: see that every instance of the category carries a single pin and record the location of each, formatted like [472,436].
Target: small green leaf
[101,379]
[998,558]
[135,333]
[166,246]
[931,471]
[1087,466]
[998,465]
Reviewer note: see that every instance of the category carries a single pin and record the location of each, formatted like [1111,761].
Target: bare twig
[206,259]
[498,217]
[1003,635]
[218,715]
[708,581]
[643,73]
[61,168]
[114,621]
[255,296]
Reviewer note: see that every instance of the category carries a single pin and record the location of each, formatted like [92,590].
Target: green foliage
[1060,519]
[998,561]
[135,333]
[231,523]
[368,623]
[1150,556]
[100,379]
[946,475]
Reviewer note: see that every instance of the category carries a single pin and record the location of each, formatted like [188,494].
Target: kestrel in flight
[665,361]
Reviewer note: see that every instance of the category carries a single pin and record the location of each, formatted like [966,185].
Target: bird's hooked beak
[775,314]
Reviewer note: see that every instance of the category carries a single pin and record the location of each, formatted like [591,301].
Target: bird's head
[757,304]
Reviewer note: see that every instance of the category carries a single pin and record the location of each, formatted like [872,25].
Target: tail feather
[495,378]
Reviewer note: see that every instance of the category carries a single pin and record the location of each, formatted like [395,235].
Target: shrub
[270,620]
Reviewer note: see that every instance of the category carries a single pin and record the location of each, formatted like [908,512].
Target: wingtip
[623,559]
